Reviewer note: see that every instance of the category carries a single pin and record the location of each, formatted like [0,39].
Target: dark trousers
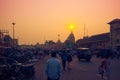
[63,64]
[52,79]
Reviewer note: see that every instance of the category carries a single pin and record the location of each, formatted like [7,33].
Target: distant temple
[70,41]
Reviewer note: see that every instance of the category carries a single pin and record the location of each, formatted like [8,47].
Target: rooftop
[98,37]
[114,21]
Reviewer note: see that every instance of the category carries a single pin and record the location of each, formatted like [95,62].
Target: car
[84,53]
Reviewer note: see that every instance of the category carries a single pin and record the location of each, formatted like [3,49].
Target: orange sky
[40,20]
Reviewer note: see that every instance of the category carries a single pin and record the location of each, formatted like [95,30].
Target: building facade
[95,41]
[115,34]
[105,40]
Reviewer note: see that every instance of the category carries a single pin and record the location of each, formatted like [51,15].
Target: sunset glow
[40,20]
[72,27]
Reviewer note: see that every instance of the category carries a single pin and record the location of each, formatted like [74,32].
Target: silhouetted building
[95,41]
[70,41]
[6,40]
[105,40]
[115,33]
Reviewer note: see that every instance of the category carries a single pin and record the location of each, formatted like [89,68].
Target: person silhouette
[53,68]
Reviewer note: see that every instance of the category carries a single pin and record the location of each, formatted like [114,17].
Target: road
[80,70]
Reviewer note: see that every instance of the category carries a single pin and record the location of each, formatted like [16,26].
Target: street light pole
[13,32]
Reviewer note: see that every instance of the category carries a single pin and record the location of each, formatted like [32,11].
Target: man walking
[53,68]
[64,59]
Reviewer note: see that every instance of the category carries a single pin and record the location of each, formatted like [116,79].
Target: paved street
[80,70]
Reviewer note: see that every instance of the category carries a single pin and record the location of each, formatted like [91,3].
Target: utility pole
[13,23]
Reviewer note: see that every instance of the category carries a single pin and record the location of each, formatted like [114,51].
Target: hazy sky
[40,20]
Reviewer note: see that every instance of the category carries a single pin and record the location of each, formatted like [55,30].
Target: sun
[71,27]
